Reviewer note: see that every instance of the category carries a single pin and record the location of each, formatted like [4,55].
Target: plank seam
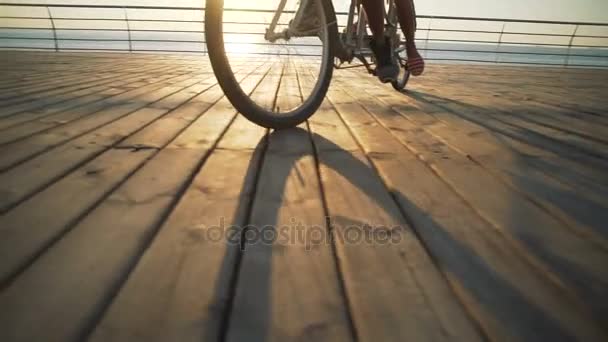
[521,252]
[476,324]
[69,226]
[51,147]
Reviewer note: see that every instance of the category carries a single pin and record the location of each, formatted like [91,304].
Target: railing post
[502,31]
[53,27]
[128,29]
[567,62]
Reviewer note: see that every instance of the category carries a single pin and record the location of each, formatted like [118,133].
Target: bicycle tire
[402,79]
[239,99]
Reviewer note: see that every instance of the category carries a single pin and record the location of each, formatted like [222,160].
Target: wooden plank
[124,223]
[15,77]
[394,290]
[75,77]
[556,89]
[70,69]
[20,151]
[546,242]
[325,122]
[543,137]
[175,306]
[547,98]
[287,289]
[83,73]
[50,97]
[27,123]
[24,180]
[124,83]
[524,114]
[485,139]
[76,74]
[584,96]
[79,191]
[88,73]
[519,100]
[401,179]
[590,168]
[569,198]
[486,149]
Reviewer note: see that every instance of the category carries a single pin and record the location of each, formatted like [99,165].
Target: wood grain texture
[471,207]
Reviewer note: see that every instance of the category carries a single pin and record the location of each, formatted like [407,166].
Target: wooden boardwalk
[136,205]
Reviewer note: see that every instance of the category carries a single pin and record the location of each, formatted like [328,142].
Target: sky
[566,10]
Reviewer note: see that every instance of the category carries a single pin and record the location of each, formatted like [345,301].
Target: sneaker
[386,67]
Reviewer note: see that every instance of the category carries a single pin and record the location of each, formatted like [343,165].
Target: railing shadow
[525,173]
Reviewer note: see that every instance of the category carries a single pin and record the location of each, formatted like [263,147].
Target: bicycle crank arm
[272,36]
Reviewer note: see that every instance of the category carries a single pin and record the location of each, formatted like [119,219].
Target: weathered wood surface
[472,207]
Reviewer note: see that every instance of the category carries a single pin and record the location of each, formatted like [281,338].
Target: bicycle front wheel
[274,69]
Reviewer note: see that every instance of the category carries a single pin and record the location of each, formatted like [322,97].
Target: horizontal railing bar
[100,29]
[512,43]
[135,20]
[29,38]
[309,55]
[261,33]
[514,53]
[166,41]
[27,48]
[508,20]
[272,11]
[99,6]
[133,30]
[507,32]
[140,20]
[257,33]
[259,23]
[233,23]
[308,45]
[521,63]
[31,18]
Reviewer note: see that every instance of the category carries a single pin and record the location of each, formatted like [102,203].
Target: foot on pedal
[387,68]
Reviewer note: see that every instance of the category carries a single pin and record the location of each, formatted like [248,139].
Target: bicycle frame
[356,40]
[315,22]
[353,42]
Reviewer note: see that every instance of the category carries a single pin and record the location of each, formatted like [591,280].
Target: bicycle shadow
[247,310]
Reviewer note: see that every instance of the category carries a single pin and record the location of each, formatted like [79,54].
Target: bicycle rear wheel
[401,81]
[292,73]
[404,73]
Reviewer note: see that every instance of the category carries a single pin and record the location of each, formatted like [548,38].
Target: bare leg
[407,19]
[386,67]
[375,17]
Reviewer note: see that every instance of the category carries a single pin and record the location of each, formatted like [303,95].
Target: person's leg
[386,68]
[406,13]
[375,18]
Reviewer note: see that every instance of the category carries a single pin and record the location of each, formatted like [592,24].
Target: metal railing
[124,28]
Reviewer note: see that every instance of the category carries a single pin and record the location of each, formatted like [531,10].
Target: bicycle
[336,49]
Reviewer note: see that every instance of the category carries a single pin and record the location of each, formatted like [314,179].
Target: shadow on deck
[136,204]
